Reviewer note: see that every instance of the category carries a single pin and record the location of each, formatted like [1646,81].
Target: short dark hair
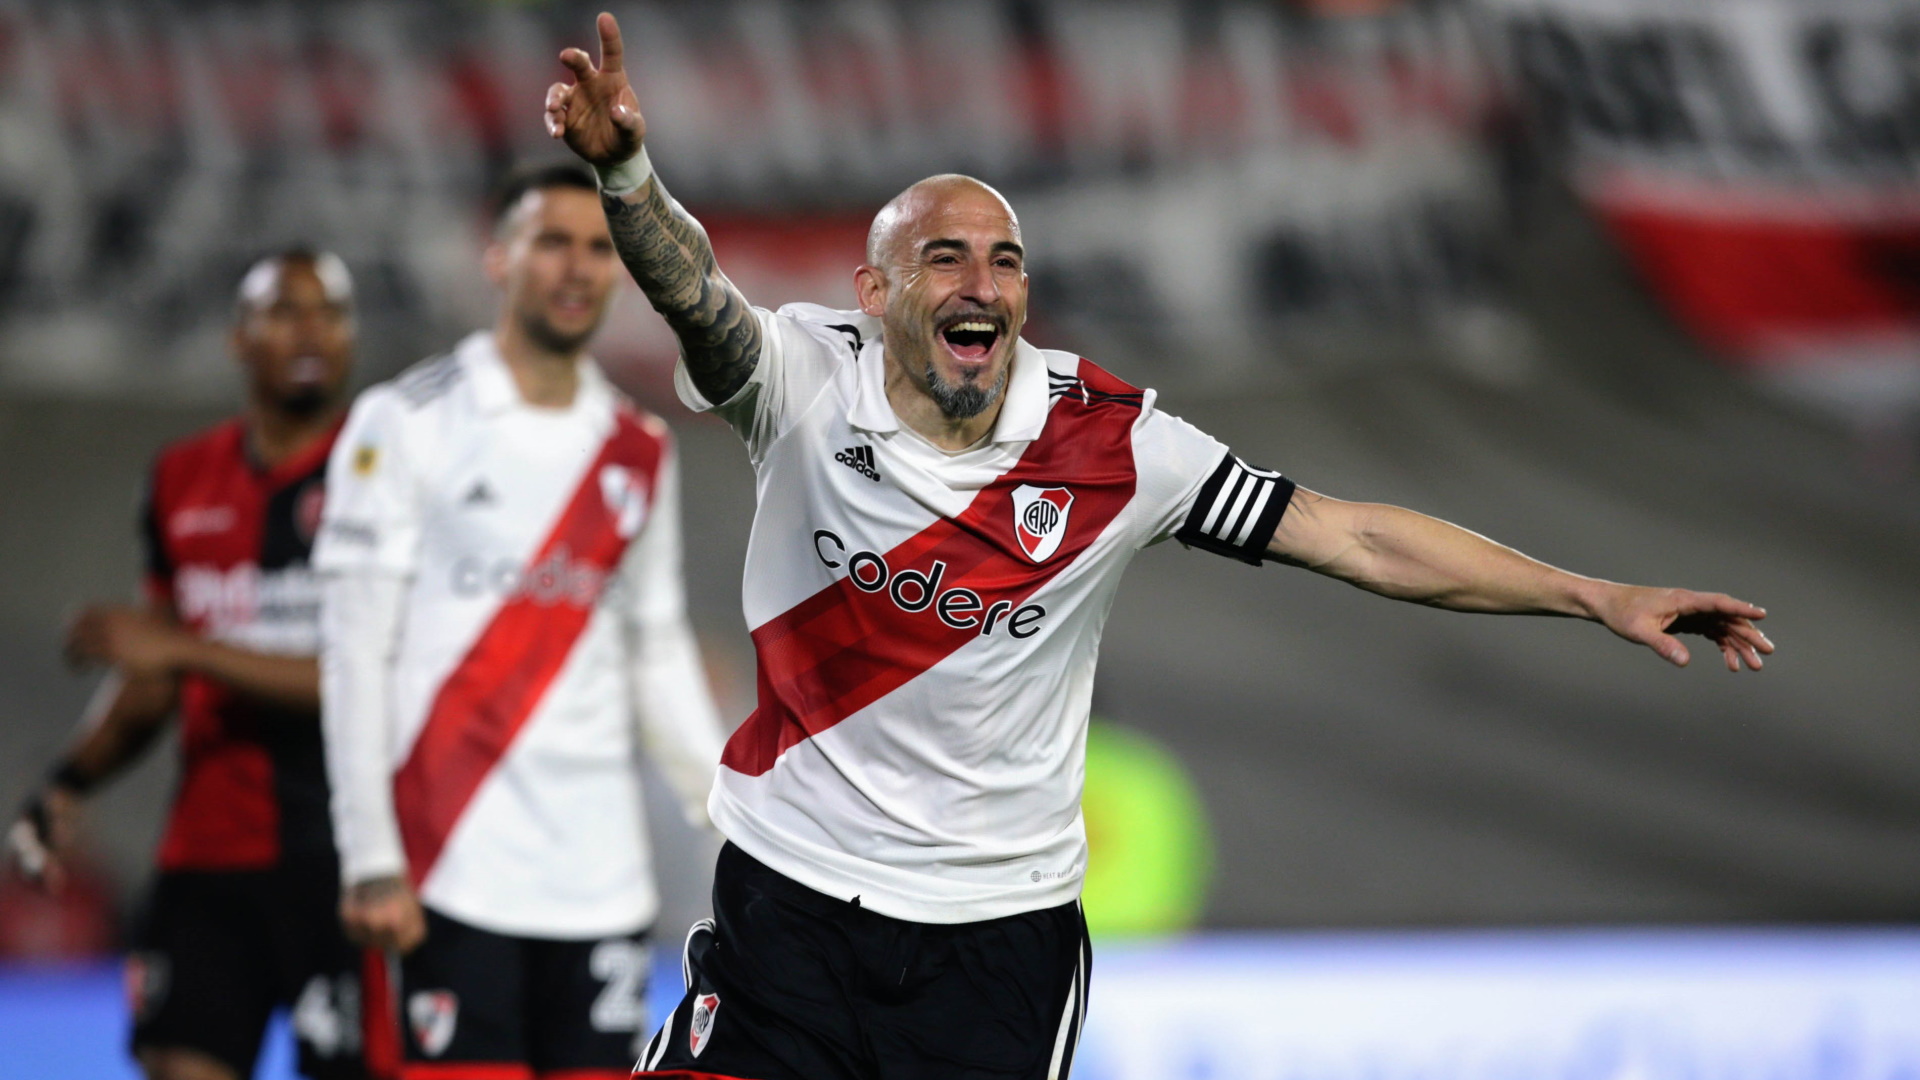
[557,174]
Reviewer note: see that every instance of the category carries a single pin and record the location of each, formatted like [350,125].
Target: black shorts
[478,1004]
[216,952]
[785,983]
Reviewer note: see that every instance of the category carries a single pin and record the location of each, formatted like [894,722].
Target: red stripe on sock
[379,1018]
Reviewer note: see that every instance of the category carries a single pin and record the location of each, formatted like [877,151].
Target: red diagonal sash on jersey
[490,694]
[843,648]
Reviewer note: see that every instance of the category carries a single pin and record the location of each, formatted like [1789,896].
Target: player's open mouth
[307,370]
[970,338]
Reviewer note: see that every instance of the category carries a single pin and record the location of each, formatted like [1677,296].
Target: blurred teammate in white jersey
[503,615]
[944,513]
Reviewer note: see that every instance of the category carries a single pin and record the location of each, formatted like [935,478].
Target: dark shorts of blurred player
[477,1005]
[217,952]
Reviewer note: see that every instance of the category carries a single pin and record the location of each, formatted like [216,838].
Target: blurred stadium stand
[1205,175]
[1358,249]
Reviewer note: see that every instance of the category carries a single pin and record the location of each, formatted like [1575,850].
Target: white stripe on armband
[627,177]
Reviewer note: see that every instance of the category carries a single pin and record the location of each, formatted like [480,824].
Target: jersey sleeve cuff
[692,398]
[1236,511]
[372,865]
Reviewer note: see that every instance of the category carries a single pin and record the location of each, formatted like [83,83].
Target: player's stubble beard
[555,340]
[967,398]
[964,400]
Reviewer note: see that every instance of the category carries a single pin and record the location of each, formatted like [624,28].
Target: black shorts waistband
[736,866]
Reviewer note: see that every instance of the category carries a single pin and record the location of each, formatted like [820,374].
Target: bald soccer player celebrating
[944,515]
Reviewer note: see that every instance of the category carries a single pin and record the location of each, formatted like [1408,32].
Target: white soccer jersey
[926,625]
[542,610]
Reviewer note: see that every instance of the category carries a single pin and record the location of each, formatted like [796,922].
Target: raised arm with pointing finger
[664,248]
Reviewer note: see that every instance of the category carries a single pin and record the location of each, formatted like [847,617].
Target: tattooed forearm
[667,252]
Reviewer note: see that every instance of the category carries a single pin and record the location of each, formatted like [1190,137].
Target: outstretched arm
[664,248]
[1408,556]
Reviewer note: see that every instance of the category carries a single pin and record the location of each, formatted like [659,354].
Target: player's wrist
[35,815]
[68,778]
[1589,598]
[626,177]
[375,890]
[62,788]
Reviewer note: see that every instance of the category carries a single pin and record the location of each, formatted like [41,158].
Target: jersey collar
[493,387]
[1025,411]
[1021,417]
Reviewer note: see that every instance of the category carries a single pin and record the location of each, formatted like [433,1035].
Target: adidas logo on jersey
[479,495]
[860,460]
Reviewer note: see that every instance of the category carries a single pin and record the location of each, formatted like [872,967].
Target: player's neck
[276,435]
[545,379]
[917,410]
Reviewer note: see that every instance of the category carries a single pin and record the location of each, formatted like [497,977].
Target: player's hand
[598,116]
[42,831]
[1652,617]
[383,914]
[135,641]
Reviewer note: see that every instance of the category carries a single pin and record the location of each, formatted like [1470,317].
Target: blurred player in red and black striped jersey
[242,918]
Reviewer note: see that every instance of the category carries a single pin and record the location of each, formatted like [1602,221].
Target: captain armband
[1236,511]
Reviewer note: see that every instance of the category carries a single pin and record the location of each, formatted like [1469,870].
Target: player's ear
[494,263]
[237,339]
[870,285]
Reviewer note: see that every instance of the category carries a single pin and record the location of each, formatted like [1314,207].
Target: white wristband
[627,177]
